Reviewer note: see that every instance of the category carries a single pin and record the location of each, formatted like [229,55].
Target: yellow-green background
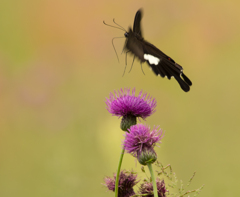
[57,66]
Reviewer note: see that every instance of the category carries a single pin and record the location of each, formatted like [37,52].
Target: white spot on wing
[151,59]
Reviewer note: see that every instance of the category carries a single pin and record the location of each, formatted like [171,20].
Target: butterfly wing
[137,21]
[164,65]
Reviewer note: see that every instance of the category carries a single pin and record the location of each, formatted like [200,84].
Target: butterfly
[161,64]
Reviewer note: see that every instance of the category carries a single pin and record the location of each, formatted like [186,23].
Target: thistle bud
[147,156]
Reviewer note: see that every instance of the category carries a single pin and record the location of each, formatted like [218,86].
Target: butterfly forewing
[136,24]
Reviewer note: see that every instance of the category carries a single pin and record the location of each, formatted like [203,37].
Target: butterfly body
[161,64]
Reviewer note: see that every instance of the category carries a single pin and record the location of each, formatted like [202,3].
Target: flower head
[147,188]
[126,182]
[125,104]
[140,142]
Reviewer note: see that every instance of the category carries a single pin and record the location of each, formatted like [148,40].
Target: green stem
[153,180]
[118,172]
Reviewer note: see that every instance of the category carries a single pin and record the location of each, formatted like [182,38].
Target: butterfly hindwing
[166,66]
[186,79]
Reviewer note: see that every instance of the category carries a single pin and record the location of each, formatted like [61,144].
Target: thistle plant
[129,107]
[146,188]
[127,180]
[140,142]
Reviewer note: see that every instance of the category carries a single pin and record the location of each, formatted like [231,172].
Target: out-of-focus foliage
[57,66]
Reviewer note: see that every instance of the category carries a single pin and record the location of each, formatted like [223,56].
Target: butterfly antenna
[119,25]
[132,64]
[114,46]
[113,26]
[142,68]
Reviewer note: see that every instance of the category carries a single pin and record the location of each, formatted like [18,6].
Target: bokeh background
[57,66]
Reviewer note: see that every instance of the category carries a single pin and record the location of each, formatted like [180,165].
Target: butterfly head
[126,34]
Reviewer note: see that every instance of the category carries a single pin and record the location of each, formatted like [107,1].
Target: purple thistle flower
[140,142]
[126,182]
[139,137]
[147,188]
[125,104]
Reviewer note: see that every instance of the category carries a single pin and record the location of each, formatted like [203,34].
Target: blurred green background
[57,66]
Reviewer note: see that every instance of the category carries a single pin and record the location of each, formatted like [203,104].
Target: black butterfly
[160,63]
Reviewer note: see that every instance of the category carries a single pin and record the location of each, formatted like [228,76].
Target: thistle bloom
[140,142]
[126,182]
[128,106]
[147,188]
